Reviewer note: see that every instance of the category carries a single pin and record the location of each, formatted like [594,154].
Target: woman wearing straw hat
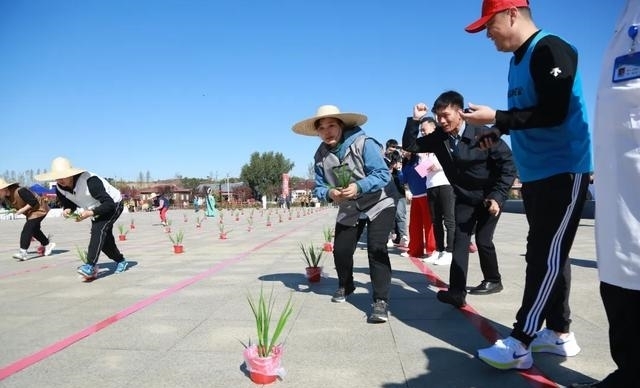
[163,206]
[78,189]
[350,170]
[34,209]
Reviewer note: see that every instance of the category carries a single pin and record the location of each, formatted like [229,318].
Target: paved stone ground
[178,320]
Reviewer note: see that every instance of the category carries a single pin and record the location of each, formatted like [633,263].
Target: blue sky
[192,88]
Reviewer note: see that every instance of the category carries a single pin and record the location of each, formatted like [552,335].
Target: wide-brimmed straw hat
[306,127]
[4,183]
[60,168]
[153,195]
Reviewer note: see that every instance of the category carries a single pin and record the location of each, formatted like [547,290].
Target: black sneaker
[455,299]
[380,312]
[341,294]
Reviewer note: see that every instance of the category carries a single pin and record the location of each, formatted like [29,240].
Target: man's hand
[419,110]
[84,215]
[488,137]
[492,207]
[479,115]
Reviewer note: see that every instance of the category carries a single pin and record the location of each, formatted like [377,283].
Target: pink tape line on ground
[533,375]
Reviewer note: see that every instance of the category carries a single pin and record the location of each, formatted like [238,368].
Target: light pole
[228,193]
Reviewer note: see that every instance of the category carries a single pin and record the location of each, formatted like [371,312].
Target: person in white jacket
[617,178]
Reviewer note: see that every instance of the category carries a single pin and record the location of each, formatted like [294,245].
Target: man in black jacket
[481,179]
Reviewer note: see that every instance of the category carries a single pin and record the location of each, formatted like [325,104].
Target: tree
[192,183]
[264,172]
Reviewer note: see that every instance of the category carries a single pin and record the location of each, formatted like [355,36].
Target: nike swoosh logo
[517,356]
[561,342]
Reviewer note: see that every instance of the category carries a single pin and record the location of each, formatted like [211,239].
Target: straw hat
[306,127]
[4,183]
[60,168]
[153,195]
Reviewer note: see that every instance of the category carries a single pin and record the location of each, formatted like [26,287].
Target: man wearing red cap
[551,143]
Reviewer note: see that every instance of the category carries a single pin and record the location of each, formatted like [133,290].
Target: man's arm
[97,191]
[553,68]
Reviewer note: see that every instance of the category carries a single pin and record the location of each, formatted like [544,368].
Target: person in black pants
[546,118]
[481,179]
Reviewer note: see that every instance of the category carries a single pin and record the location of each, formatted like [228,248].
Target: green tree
[192,183]
[264,172]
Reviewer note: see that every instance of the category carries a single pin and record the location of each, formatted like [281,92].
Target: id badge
[626,67]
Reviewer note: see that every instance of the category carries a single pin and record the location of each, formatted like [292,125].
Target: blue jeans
[400,226]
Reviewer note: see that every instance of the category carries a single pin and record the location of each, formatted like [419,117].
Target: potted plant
[249,223]
[199,222]
[223,231]
[312,257]
[132,225]
[177,241]
[263,359]
[167,228]
[186,219]
[123,232]
[327,232]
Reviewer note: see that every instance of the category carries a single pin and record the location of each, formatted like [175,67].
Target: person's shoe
[122,266]
[508,353]
[404,242]
[405,254]
[341,294]
[430,259]
[21,255]
[49,248]
[88,271]
[486,288]
[547,341]
[444,259]
[390,243]
[380,313]
[473,248]
[453,298]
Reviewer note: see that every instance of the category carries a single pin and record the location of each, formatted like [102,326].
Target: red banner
[285,185]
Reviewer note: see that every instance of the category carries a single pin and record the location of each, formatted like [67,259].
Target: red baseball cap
[490,8]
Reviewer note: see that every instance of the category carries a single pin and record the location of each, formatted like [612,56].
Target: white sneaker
[405,254]
[20,255]
[432,258]
[445,258]
[404,242]
[390,243]
[508,353]
[547,341]
[49,248]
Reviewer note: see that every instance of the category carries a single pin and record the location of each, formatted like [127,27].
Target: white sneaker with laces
[547,341]
[432,258]
[508,353]
[49,248]
[445,258]
[20,255]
